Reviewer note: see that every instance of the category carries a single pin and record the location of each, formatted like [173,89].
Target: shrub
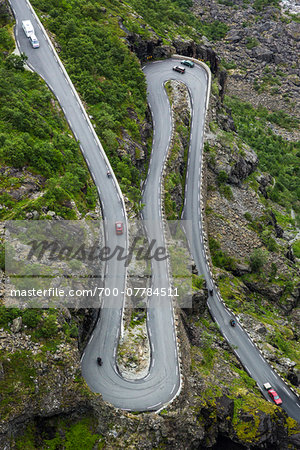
[7,315]
[251,43]
[269,241]
[31,318]
[222,177]
[79,436]
[48,328]
[197,282]
[273,271]
[220,258]
[73,331]
[258,259]
[76,436]
[6,40]
[226,191]
[229,64]
[16,62]
[296,249]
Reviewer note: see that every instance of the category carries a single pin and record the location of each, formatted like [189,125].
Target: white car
[27,27]
[34,41]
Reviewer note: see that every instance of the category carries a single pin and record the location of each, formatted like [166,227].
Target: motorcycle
[108,174]
[232,322]
[99,361]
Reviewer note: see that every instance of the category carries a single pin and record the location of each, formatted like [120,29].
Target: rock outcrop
[237,160]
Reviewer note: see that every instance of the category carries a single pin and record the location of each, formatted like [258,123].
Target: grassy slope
[35,138]
[277,156]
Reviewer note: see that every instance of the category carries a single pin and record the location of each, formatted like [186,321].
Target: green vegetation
[296,249]
[172,17]
[6,40]
[22,381]
[69,436]
[197,282]
[180,267]
[258,259]
[138,317]
[42,325]
[262,4]
[226,2]
[211,150]
[18,381]
[97,59]
[222,177]
[219,257]
[248,431]
[266,82]
[111,83]
[269,241]
[281,337]
[226,191]
[248,381]
[34,135]
[251,43]
[203,357]
[264,227]
[277,156]
[77,437]
[284,340]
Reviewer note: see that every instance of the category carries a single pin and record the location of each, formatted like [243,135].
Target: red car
[119,227]
[274,396]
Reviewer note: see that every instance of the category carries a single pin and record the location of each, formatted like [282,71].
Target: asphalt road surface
[163,380]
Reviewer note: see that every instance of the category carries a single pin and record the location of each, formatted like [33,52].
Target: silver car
[34,41]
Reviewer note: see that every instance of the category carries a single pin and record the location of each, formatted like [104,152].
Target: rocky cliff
[259,50]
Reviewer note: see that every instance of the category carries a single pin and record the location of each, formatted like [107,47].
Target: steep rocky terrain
[260,50]
[237,208]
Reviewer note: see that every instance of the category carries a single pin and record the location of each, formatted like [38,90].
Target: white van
[27,27]
[34,41]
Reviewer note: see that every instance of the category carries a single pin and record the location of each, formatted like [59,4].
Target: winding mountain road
[163,381]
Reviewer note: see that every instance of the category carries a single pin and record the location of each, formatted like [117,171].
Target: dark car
[119,227]
[179,69]
[211,292]
[187,63]
[274,396]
